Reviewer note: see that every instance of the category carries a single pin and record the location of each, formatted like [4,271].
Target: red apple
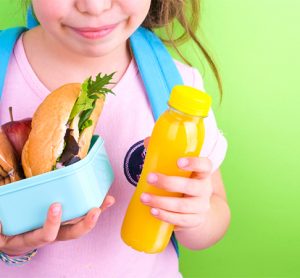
[17,132]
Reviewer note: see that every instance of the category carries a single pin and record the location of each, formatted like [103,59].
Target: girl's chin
[91,51]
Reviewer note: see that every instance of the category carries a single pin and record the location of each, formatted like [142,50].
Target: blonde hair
[164,13]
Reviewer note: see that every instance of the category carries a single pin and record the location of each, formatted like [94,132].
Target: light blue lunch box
[78,187]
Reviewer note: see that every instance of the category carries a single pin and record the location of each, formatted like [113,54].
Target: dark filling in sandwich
[69,155]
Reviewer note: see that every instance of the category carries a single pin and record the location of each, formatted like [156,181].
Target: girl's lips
[94,32]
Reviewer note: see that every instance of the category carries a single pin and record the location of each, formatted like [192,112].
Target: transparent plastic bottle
[179,132]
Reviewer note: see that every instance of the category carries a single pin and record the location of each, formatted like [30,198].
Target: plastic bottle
[179,132]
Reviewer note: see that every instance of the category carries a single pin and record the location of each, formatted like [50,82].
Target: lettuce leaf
[91,90]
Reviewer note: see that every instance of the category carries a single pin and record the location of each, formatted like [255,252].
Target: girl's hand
[190,210]
[52,230]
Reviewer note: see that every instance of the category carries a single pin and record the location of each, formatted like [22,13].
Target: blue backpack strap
[31,19]
[156,67]
[159,74]
[8,39]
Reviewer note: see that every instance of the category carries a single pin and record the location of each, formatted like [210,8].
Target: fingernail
[154,211]
[152,178]
[145,197]
[56,209]
[95,216]
[183,162]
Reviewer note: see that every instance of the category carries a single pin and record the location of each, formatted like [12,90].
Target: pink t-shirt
[125,121]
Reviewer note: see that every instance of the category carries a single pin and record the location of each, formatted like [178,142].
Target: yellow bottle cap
[190,100]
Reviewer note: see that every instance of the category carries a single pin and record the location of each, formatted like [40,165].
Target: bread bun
[49,124]
[9,170]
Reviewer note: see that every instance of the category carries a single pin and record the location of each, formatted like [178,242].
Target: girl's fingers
[49,231]
[52,230]
[146,142]
[179,220]
[23,243]
[81,228]
[73,221]
[87,223]
[187,186]
[108,202]
[176,204]
[201,166]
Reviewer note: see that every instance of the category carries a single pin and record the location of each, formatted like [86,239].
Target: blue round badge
[134,161]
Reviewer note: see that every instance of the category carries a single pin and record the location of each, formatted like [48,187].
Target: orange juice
[179,132]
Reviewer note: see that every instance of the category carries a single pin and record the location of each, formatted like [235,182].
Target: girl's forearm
[210,231]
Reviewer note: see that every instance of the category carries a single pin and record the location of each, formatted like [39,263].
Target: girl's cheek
[47,11]
[135,8]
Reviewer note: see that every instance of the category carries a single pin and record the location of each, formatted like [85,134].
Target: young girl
[80,38]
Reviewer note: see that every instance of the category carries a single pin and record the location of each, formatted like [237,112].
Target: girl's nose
[93,7]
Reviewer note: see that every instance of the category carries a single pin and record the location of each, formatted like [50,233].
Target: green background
[256,45]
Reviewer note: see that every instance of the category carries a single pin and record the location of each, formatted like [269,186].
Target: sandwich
[63,125]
